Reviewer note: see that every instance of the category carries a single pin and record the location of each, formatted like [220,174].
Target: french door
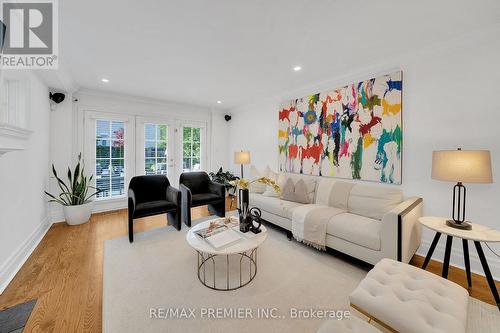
[108,151]
[118,147]
[192,154]
[155,153]
[166,147]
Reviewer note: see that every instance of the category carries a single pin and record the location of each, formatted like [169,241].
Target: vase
[78,214]
[244,215]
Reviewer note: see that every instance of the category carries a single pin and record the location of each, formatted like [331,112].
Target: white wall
[67,139]
[220,141]
[449,101]
[23,178]
[61,148]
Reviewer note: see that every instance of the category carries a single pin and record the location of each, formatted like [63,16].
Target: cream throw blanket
[309,224]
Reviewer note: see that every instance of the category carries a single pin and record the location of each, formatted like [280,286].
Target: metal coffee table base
[247,259]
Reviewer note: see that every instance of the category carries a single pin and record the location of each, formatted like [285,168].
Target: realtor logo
[31,34]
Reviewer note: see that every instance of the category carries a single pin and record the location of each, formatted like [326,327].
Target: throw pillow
[256,187]
[280,180]
[295,192]
[288,191]
[270,192]
[310,184]
[301,192]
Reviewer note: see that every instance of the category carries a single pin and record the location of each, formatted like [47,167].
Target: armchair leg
[186,214]
[218,209]
[131,230]
[174,219]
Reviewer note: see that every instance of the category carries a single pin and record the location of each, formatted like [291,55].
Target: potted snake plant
[76,194]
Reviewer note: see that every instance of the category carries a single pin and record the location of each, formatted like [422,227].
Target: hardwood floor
[480,288]
[65,273]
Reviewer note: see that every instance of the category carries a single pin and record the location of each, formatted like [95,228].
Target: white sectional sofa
[368,222]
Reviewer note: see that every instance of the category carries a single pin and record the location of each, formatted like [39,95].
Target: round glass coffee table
[229,268]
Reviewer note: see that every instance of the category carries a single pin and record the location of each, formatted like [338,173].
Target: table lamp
[461,166]
[242,157]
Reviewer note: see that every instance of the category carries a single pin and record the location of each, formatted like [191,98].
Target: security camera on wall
[55,98]
[227,117]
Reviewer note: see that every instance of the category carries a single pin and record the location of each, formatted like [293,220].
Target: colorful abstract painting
[351,132]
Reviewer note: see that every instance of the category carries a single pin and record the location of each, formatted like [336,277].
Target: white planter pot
[80,214]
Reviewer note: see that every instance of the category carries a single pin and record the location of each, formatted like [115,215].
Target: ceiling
[236,51]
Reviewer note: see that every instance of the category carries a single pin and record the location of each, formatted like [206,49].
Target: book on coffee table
[223,239]
[216,226]
[220,233]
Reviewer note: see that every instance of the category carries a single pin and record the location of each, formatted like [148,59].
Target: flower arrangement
[245,183]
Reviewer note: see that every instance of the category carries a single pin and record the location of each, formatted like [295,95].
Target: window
[155,149]
[14,112]
[110,158]
[191,152]
[13,103]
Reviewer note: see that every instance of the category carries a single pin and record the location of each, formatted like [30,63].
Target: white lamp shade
[242,157]
[466,166]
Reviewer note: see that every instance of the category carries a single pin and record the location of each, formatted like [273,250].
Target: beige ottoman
[351,325]
[407,299]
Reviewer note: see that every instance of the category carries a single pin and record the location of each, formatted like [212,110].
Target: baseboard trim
[57,213]
[13,264]
[457,256]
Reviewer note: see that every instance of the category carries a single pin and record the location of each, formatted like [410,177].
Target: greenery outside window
[191,149]
[110,158]
[155,149]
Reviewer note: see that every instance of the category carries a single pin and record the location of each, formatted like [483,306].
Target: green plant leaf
[60,182]
[76,175]
[70,178]
[77,190]
[54,199]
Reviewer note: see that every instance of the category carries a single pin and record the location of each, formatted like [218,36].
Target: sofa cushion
[323,191]
[340,194]
[373,201]
[274,206]
[356,229]
[333,193]
[303,210]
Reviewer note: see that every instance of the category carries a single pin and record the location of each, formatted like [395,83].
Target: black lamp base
[459,225]
[458,213]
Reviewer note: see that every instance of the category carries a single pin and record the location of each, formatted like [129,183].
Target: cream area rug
[152,286]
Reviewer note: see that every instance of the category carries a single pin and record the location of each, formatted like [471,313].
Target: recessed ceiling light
[104,80]
[297,68]
[219,102]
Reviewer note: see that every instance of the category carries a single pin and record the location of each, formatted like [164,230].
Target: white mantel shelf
[13,138]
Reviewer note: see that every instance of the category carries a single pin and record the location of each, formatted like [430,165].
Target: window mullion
[110,167]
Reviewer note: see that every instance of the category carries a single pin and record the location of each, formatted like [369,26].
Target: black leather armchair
[198,190]
[152,195]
